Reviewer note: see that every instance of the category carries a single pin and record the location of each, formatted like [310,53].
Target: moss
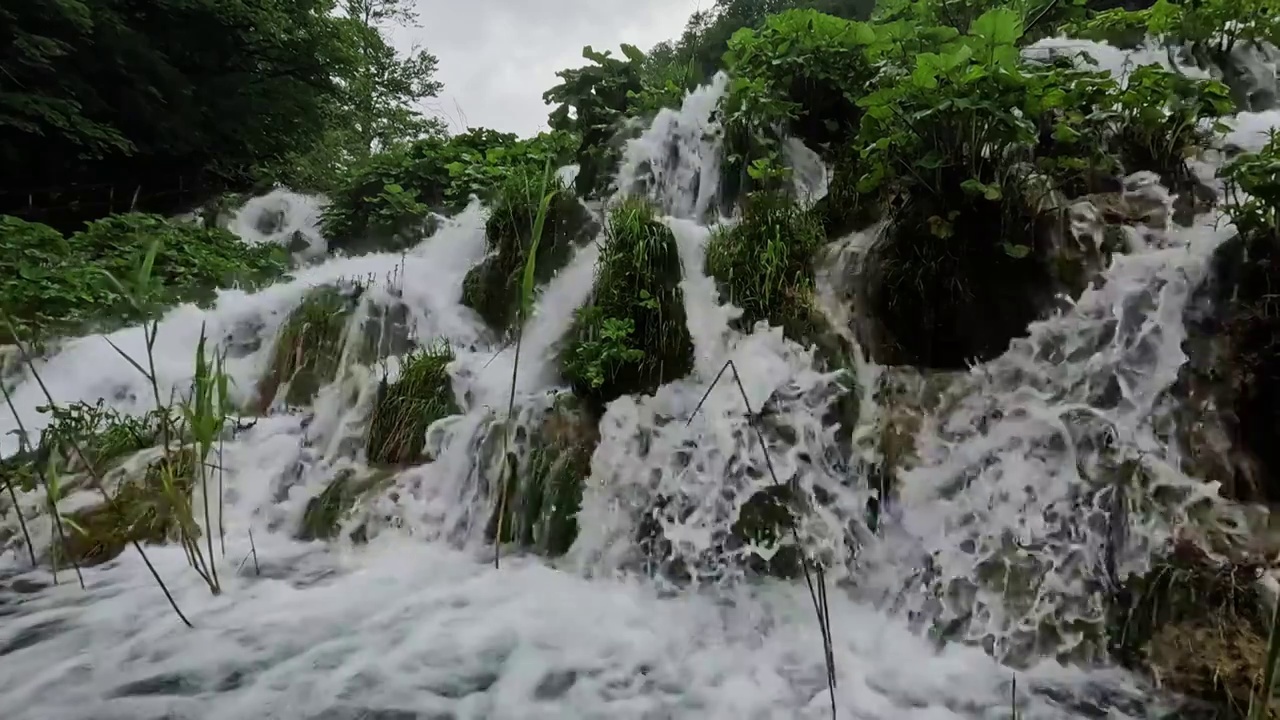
[323,517]
[492,288]
[542,503]
[1196,625]
[631,336]
[142,511]
[406,408]
[308,348]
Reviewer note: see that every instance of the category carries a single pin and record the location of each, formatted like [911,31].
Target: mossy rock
[308,348]
[1198,626]
[152,510]
[765,521]
[545,494]
[324,514]
[493,288]
[404,410]
[764,265]
[632,335]
[387,331]
[843,210]
[944,302]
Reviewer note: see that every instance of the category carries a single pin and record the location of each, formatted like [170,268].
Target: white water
[418,624]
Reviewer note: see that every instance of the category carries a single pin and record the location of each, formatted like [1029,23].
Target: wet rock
[1229,425]
[308,347]
[324,514]
[269,220]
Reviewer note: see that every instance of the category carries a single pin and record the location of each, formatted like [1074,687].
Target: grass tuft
[631,336]
[406,408]
[308,349]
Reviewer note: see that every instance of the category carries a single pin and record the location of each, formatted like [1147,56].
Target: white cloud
[497,57]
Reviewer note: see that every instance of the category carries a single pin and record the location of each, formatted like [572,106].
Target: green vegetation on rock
[631,336]
[764,265]
[386,199]
[404,409]
[542,503]
[308,348]
[323,516]
[493,288]
[56,286]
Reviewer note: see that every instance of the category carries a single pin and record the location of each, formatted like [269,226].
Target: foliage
[591,101]
[54,285]
[1217,25]
[493,288]
[393,190]
[404,410]
[136,95]
[1253,189]
[376,108]
[801,74]
[764,264]
[308,348]
[631,336]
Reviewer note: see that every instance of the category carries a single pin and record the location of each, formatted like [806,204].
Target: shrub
[388,196]
[493,288]
[631,336]
[764,265]
[405,409]
[56,286]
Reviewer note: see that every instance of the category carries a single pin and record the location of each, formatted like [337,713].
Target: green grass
[631,336]
[494,287]
[406,408]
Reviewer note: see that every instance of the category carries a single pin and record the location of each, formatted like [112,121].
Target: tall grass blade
[8,481]
[814,576]
[1260,704]
[526,308]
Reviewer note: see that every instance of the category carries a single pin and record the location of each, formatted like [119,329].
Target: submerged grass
[308,349]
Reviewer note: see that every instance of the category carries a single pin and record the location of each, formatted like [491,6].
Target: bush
[387,198]
[631,336]
[406,408]
[764,265]
[799,75]
[493,288]
[57,286]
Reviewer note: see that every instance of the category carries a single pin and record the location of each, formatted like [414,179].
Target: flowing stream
[998,534]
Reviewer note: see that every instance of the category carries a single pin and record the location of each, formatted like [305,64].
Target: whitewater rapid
[419,624]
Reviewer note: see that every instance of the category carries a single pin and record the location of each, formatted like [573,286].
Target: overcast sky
[497,57]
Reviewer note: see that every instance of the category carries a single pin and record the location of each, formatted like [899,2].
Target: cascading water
[995,531]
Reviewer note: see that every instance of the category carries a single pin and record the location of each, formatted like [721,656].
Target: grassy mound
[406,408]
[764,265]
[493,287]
[543,502]
[631,336]
[308,349]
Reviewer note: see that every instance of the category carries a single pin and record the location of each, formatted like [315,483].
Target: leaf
[1017,252]
[998,26]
